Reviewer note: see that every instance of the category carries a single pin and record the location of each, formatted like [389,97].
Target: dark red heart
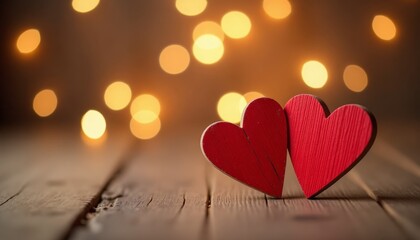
[255,153]
[324,147]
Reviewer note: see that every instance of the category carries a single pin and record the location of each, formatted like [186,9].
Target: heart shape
[323,146]
[255,153]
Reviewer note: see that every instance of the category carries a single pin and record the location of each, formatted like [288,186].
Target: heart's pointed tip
[311,195]
[276,196]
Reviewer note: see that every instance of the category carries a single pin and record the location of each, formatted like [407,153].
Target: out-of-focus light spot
[93,124]
[191,7]
[145,130]
[384,27]
[208,49]
[145,116]
[174,59]
[231,106]
[277,9]
[236,24]
[208,27]
[145,108]
[314,74]
[45,103]
[355,78]
[84,6]
[117,95]
[28,41]
[94,142]
[251,96]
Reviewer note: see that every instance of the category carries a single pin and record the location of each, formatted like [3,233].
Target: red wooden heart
[324,147]
[254,154]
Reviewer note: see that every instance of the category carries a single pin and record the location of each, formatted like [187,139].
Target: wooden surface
[54,186]
[48,179]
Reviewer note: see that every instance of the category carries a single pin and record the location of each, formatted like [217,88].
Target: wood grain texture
[236,211]
[161,194]
[324,146]
[53,178]
[255,153]
[402,135]
[395,188]
[344,211]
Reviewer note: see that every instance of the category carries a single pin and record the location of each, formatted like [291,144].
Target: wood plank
[54,177]
[402,135]
[406,213]
[390,153]
[344,211]
[161,194]
[16,156]
[387,180]
[236,211]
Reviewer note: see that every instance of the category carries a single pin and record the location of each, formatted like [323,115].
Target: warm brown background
[80,54]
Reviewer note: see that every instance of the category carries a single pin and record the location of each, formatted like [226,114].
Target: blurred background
[153,66]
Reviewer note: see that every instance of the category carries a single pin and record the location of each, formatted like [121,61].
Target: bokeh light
[251,96]
[84,6]
[355,78]
[314,74]
[174,59]
[277,9]
[208,27]
[145,116]
[93,124]
[236,24]
[191,7]
[117,95]
[208,49]
[45,102]
[94,142]
[145,108]
[384,27]
[145,130]
[28,41]
[230,107]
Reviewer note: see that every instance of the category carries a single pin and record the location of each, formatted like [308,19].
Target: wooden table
[55,186]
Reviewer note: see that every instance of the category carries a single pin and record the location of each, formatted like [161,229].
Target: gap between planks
[398,194]
[336,196]
[163,186]
[48,178]
[90,206]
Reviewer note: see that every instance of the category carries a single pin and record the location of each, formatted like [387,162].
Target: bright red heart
[324,147]
[254,154]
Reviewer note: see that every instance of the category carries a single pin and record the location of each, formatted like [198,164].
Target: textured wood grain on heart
[323,146]
[255,153]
